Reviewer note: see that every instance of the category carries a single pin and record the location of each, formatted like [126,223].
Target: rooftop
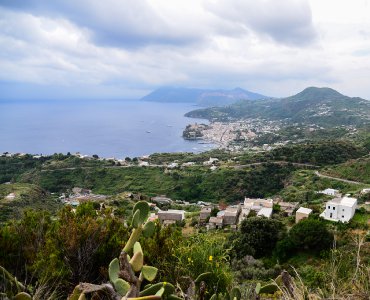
[304,210]
[265,211]
[346,201]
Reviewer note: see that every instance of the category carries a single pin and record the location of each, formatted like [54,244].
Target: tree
[309,235]
[312,235]
[257,237]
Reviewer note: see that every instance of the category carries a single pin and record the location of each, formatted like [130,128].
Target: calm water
[107,128]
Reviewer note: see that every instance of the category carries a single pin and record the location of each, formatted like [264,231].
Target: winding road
[339,179]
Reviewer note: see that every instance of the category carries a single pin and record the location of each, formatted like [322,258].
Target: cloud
[128,23]
[124,48]
[286,21]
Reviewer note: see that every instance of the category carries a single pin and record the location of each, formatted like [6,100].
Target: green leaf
[137,261]
[269,289]
[113,270]
[137,247]
[136,219]
[160,292]
[151,290]
[143,207]
[149,272]
[23,296]
[149,229]
[121,286]
[258,288]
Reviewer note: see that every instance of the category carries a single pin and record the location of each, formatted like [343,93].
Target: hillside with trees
[320,106]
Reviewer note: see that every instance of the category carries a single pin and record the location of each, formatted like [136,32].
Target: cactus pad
[113,270]
[136,219]
[149,229]
[258,288]
[143,207]
[137,247]
[23,296]
[269,289]
[137,261]
[149,272]
[121,286]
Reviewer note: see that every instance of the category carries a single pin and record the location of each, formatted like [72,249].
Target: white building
[171,215]
[340,209]
[257,204]
[265,212]
[330,192]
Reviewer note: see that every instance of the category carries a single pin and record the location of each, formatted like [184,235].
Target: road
[339,179]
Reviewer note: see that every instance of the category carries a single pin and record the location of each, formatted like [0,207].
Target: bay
[109,128]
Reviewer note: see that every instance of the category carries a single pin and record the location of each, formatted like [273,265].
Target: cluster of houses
[80,195]
[338,209]
[235,214]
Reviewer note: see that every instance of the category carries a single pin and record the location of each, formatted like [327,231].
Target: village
[210,216]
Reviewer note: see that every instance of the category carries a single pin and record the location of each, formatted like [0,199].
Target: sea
[108,128]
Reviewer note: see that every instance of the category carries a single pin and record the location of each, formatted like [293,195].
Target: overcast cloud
[126,48]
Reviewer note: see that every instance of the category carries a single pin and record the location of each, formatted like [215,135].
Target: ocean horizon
[107,128]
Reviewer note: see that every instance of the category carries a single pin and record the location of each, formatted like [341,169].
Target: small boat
[148,132]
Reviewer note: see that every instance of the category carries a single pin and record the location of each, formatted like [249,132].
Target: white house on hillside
[340,209]
[330,192]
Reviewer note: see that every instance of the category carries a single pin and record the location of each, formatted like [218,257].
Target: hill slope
[201,96]
[15,198]
[322,106]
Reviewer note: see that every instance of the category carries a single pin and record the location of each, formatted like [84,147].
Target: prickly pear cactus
[127,272]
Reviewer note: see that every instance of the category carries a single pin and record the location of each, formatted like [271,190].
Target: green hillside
[357,170]
[15,198]
[321,106]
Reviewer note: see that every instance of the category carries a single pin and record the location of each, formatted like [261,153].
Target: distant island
[203,97]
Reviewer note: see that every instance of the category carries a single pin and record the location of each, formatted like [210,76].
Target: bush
[309,235]
[257,237]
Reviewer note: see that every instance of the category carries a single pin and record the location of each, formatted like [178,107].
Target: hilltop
[204,97]
[320,106]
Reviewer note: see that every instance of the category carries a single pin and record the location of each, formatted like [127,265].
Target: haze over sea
[110,128]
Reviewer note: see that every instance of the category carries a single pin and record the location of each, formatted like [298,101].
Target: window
[333,207]
[342,216]
[329,206]
[343,209]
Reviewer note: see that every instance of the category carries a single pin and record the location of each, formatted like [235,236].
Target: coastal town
[232,135]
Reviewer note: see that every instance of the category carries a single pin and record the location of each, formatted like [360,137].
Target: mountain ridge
[203,97]
[321,106]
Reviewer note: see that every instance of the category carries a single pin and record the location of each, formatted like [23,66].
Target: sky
[123,49]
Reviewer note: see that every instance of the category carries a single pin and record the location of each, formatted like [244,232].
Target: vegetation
[257,237]
[192,184]
[48,253]
[357,170]
[16,197]
[309,235]
[321,106]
